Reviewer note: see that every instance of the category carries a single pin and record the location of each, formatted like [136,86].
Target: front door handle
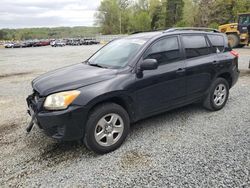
[181,71]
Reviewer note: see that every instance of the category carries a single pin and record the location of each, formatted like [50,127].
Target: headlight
[62,100]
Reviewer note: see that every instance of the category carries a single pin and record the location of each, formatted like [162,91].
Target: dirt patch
[135,159]
[168,137]
[15,74]
[50,156]
[56,153]
[61,152]
[4,129]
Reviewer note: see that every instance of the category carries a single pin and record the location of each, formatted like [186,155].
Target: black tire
[209,102]
[233,40]
[97,114]
[241,45]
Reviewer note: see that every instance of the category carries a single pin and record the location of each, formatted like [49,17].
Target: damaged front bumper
[65,124]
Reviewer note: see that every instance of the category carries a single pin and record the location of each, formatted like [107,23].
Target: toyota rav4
[130,79]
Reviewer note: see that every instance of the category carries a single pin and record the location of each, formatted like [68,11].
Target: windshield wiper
[97,65]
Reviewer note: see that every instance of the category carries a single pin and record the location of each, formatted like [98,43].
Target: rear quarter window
[217,42]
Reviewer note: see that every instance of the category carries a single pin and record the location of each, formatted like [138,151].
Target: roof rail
[136,32]
[192,28]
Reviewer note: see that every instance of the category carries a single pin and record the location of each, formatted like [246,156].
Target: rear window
[217,42]
[195,46]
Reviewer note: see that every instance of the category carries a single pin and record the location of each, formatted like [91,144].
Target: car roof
[156,34]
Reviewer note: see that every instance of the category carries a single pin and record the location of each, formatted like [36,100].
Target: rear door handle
[181,70]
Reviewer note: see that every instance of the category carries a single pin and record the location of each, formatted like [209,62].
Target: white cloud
[47,13]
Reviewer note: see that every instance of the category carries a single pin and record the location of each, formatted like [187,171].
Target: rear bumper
[235,76]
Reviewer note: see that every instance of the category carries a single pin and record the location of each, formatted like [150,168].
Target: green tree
[174,11]
[222,12]
[190,10]
[108,17]
[241,6]
[140,22]
[156,14]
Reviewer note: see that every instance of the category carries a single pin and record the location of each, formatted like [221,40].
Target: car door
[224,61]
[160,89]
[199,64]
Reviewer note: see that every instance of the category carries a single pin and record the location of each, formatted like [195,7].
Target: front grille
[35,101]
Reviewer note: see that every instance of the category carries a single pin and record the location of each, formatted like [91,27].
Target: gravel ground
[186,147]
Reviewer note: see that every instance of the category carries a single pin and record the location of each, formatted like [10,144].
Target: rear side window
[217,42]
[164,51]
[195,46]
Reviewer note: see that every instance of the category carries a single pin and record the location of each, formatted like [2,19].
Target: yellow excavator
[238,33]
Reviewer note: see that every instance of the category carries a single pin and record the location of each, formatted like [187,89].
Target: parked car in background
[81,41]
[12,45]
[89,41]
[44,43]
[17,45]
[41,43]
[57,43]
[9,45]
[26,44]
[130,79]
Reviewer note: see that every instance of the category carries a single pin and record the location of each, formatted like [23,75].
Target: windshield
[244,19]
[117,53]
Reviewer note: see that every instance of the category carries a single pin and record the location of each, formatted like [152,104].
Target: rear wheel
[107,127]
[241,45]
[218,95]
[233,40]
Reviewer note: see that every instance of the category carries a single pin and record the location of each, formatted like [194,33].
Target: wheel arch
[123,100]
[227,76]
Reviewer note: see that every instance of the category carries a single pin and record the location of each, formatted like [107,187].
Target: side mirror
[149,64]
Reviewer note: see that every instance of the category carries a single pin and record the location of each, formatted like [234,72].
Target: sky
[47,13]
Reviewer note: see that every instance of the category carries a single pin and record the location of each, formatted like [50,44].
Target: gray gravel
[186,147]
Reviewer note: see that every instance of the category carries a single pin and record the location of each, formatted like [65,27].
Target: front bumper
[65,124]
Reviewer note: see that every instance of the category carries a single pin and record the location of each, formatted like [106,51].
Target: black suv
[130,79]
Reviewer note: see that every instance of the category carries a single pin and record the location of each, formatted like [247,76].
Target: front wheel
[218,95]
[107,127]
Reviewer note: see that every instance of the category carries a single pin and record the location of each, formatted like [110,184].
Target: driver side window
[164,51]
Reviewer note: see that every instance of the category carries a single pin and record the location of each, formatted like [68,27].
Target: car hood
[71,77]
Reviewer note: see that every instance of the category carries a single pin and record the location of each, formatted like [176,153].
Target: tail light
[236,54]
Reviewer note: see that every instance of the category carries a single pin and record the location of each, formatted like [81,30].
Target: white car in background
[56,43]
[9,45]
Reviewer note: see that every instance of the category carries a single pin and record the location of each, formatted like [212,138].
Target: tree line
[127,16]
[47,33]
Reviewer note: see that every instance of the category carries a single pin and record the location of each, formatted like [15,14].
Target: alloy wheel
[109,129]
[220,94]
